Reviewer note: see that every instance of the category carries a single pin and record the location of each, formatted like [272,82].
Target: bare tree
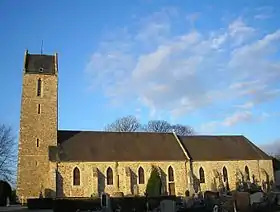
[131,124]
[164,127]
[182,130]
[7,154]
[157,126]
[125,124]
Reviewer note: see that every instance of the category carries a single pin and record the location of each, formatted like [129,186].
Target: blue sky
[213,65]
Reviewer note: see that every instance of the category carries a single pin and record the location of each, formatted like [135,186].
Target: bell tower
[38,125]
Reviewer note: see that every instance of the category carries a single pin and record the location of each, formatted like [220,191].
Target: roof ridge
[114,132]
[143,132]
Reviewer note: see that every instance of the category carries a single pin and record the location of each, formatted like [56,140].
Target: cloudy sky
[213,65]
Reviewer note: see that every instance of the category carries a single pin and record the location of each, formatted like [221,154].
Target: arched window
[201,175]
[170,174]
[109,176]
[76,176]
[225,174]
[39,87]
[247,173]
[141,177]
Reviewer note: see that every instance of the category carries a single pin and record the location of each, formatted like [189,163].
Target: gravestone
[277,199]
[8,201]
[242,201]
[215,208]
[105,202]
[256,197]
[135,189]
[167,206]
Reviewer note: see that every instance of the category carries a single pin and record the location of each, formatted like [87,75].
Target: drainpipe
[56,179]
[259,171]
[57,171]
[117,176]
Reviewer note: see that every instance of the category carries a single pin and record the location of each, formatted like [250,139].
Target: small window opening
[41,69]
[37,142]
[141,177]
[39,108]
[170,174]
[39,87]
[201,175]
[247,173]
[76,176]
[109,176]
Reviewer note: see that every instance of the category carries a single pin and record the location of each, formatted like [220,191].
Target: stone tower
[38,126]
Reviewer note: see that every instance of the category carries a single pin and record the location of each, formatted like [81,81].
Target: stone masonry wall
[90,184]
[33,163]
[256,168]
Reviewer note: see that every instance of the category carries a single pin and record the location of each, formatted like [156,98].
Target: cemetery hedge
[40,203]
[72,204]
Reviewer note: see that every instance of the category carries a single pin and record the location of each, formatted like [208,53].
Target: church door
[171,189]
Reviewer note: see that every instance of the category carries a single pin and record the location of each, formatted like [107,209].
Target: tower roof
[40,64]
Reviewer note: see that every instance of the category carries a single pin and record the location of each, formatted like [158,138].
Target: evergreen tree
[154,184]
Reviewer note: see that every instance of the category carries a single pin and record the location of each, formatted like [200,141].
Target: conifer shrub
[154,184]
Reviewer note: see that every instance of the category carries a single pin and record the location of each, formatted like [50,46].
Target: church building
[63,163]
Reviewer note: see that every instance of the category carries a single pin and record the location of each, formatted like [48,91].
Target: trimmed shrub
[153,188]
[40,203]
[72,204]
[14,197]
[5,192]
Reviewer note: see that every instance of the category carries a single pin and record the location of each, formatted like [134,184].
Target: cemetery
[238,201]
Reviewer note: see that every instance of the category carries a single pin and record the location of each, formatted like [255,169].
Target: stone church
[64,163]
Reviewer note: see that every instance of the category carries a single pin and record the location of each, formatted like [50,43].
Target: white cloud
[209,127]
[262,16]
[192,18]
[247,105]
[264,13]
[244,115]
[239,31]
[272,148]
[185,72]
[240,116]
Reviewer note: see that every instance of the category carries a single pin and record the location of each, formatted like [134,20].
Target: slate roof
[222,148]
[40,64]
[113,146]
[140,146]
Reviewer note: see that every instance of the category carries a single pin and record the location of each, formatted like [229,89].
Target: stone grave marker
[256,197]
[167,206]
[242,201]
[105,202]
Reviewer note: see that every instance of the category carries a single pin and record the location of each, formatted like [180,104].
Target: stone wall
[93,177]
[256,168]
[38,131]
